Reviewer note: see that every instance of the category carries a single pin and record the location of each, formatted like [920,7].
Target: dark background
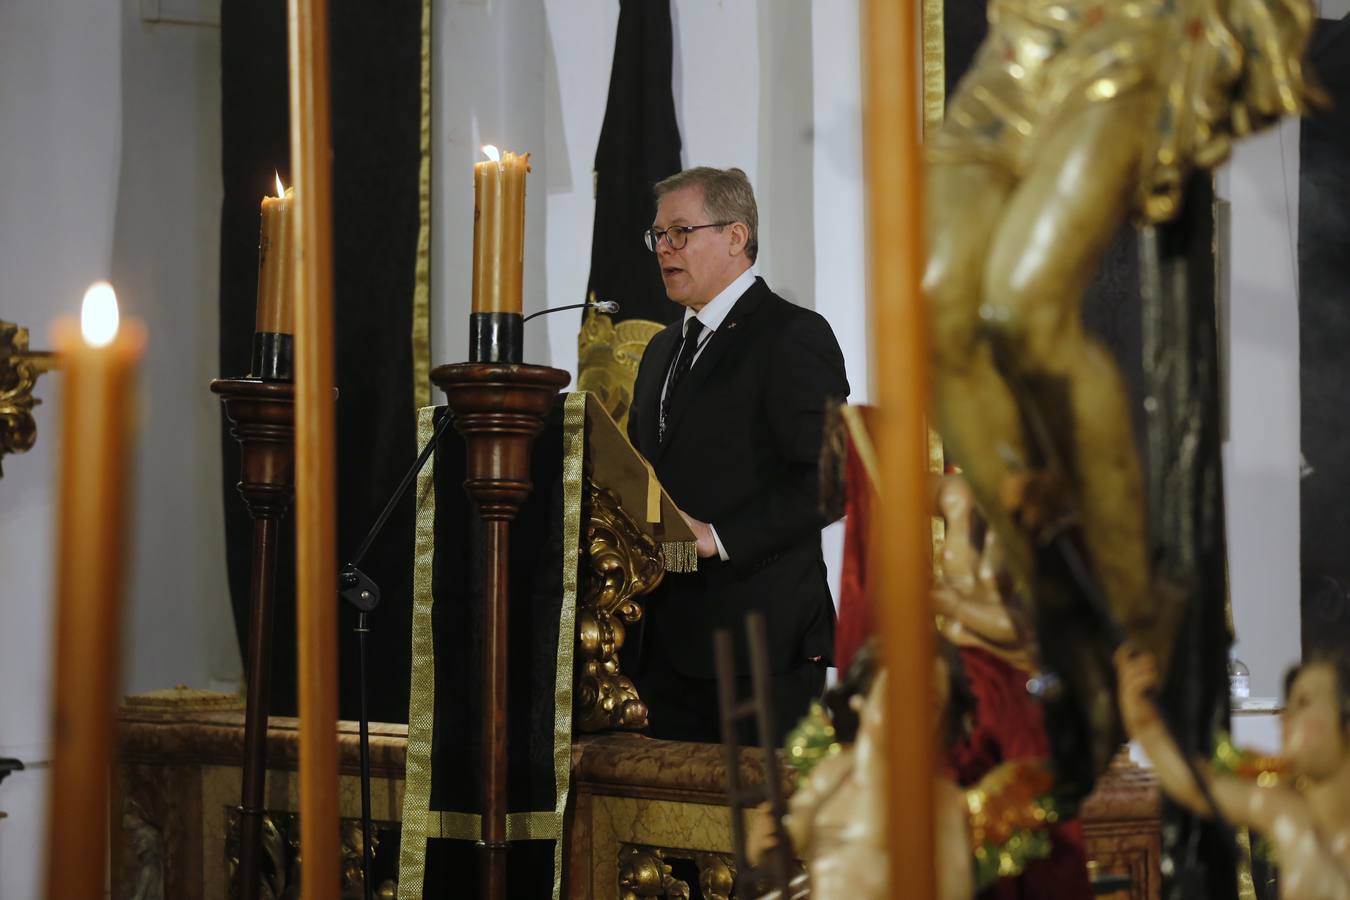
[1324,349]
[376,114]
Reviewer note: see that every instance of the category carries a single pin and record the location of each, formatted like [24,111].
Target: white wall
[109,137]
[60,121]
[1261,457]
[747,83]
[166,268]
[490,60]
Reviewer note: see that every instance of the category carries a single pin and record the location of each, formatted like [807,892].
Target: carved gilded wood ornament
[624,563]
[19,372]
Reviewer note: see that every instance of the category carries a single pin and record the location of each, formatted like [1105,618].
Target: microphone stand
[604,306]
[361,591]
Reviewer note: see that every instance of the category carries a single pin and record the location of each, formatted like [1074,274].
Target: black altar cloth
[441,821]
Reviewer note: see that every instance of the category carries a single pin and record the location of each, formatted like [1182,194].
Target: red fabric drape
[855,610]
[1008,725]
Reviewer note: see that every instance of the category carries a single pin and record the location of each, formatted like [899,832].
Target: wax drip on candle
[98,314]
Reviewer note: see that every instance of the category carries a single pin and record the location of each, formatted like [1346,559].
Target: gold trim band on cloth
[460,826]
[412,856]
[573,471]
[421,311]
[934,64]
[934,32]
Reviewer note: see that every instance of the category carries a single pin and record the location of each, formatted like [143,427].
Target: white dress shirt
[712,315]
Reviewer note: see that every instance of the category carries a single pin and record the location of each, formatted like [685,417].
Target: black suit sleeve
[808,369]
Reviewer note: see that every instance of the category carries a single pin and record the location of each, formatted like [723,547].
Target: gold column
[900,355]
[315,444]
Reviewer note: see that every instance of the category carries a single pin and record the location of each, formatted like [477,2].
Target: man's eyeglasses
[676,235]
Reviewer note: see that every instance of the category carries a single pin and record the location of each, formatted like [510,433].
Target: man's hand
[1137,674]
[707,544]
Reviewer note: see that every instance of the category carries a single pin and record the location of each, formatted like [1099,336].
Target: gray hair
[727,197]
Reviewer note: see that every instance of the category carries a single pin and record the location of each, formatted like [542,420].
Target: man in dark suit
[728,408]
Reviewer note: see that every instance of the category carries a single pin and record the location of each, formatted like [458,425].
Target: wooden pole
[900,356]
[315,443]
[261,416]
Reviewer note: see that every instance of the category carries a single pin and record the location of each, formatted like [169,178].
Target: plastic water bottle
[1239,678]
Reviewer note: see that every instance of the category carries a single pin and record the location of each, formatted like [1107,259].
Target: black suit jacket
[741,451]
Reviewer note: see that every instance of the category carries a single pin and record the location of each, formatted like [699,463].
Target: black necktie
[685,359]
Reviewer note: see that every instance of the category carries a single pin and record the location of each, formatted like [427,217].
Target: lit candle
[275,323]
[98,368]
[499,231]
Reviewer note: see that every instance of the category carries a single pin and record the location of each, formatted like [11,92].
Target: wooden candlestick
[262,419]
[499,409]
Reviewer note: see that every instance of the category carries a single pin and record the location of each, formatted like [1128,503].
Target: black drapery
[1324,333]
[639,145]
[376,78]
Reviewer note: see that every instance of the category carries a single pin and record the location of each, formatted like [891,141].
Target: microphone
[604,306]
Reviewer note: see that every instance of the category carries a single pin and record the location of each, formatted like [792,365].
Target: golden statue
[1300,802]
[969,590]
[1075,115]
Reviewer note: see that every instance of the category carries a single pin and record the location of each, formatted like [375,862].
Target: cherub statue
[836,815]
[1299,803]
[986,832]
[1075,115]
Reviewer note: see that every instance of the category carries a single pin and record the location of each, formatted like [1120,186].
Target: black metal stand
[358,589]
[774,871]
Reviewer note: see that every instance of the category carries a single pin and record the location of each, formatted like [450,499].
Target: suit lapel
[647,392]
[719,345]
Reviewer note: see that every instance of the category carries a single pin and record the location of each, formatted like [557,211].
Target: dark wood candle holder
[262,419]
[499,409]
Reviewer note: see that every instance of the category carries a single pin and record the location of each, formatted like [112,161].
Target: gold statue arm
[975,620]
[19,371]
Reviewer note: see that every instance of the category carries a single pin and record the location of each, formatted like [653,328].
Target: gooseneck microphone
[604,306]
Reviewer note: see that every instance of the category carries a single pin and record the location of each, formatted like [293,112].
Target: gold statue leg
[977,414]
[1036,260]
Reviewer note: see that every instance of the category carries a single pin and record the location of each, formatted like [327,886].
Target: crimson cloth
[854,625]
[1007,724]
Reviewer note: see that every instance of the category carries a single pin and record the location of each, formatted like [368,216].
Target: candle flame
[281,190]
[491,152]
[98,315]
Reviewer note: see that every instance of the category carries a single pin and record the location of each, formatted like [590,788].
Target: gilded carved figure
[1075,115]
